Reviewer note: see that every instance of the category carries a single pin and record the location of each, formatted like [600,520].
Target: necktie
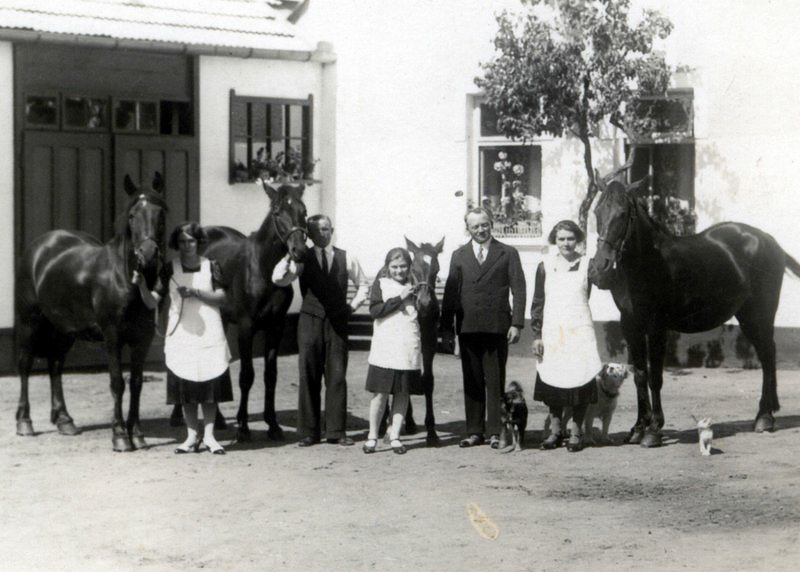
[481,255]
[324,263]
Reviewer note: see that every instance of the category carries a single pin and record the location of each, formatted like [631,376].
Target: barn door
[67,184]
[174,157]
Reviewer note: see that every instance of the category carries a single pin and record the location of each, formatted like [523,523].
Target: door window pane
[85,112]
[41,111]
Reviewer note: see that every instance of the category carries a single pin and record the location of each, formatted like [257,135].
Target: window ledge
[525,243]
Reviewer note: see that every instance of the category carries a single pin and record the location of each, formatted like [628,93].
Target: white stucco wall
[405,72]
[244,206]
[7,184]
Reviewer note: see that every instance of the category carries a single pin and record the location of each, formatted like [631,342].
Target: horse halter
[293,229]
[618,246]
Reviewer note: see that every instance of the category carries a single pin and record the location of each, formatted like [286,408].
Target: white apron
[570,348]
[396,338]
[197,349]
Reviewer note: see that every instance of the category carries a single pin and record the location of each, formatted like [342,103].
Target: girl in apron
[564,340]
[195,346]
[395,357]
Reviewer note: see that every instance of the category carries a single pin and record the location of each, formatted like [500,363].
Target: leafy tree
[566,66]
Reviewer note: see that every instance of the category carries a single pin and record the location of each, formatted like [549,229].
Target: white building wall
[7,184]
[245,205]
[405,75]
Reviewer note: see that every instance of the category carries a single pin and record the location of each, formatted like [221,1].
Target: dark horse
[253,302]
[688,284]
[424,270]
[70,285]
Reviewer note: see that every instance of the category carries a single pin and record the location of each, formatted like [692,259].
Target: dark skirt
[384,380]
[559,397]
[181,391]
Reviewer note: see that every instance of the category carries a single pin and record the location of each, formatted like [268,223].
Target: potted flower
[514,212]
[674,214]
[284,165]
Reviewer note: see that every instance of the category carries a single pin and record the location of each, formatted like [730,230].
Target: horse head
[288,214]
[424,270]
[145,226]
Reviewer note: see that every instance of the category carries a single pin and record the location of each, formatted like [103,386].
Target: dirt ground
[70,503]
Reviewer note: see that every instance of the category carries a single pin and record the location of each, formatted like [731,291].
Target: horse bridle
[618,246]
[293,229]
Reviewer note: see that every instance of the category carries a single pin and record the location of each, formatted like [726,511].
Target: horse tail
[792,264]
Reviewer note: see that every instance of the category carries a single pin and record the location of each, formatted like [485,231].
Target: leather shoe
[494,441]
[307,442]
[343,441]
[471,441]
[553,441]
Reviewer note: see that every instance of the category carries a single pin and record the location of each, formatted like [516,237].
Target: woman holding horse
[395,356]
[195,346]
[564,339]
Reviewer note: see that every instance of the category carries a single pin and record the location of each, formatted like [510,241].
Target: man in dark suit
[482,272]
[322,331]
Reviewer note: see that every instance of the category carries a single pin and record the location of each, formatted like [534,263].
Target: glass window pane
[278,148]
[511,180]
[148,116]
[176,118]
[295,121]
[258,120]
[85,112]
[241,172]
[41,110]
[488,121]
[276,118]
[239,118]
[125,116]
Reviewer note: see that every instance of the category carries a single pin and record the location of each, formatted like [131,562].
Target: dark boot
[555,438]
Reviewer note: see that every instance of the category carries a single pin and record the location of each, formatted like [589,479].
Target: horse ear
[639,186]
[271,191]
[130,188]
[440,246]
[158,182]
[411,246]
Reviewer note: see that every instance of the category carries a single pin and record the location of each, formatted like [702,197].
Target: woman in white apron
[395,356]
[195,346]
[564,339]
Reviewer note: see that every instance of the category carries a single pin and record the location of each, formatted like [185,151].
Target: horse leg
[272,337]
[24,364]
[656,350]
[759,329]
[246,376]
[637,355]
[58,407]
[431,438]
[138,355]
[120,440]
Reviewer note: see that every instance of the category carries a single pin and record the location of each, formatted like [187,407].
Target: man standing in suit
[322,331]
[482,272]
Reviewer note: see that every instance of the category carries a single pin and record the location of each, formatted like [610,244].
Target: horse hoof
[68,428]
[25,428]
[275,433]
[121,444]
[138,442]
[651,440]
[764,424]
[243,435]
[432,440]
[635,438]
[411,428]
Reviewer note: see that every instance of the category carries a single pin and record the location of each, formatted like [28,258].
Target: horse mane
[658,225]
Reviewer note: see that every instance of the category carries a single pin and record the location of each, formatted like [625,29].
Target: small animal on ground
[608,381]
[514,416]
[705,434]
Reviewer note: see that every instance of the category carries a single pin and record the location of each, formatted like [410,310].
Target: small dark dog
[514,416]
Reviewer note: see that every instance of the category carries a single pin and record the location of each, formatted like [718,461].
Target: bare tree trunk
[591,190]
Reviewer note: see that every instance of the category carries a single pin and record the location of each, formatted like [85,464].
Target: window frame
[306,130]
[75,129]
[136,131]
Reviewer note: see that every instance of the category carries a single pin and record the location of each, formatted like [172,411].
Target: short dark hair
[479,210]
[314,220]
[191,228]
[569,225]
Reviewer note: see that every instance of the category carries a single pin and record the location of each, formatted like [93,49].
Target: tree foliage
[563,67]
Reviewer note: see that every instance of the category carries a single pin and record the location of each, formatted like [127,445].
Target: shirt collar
[476,247]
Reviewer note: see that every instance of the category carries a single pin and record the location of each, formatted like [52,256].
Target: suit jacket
[477,294]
